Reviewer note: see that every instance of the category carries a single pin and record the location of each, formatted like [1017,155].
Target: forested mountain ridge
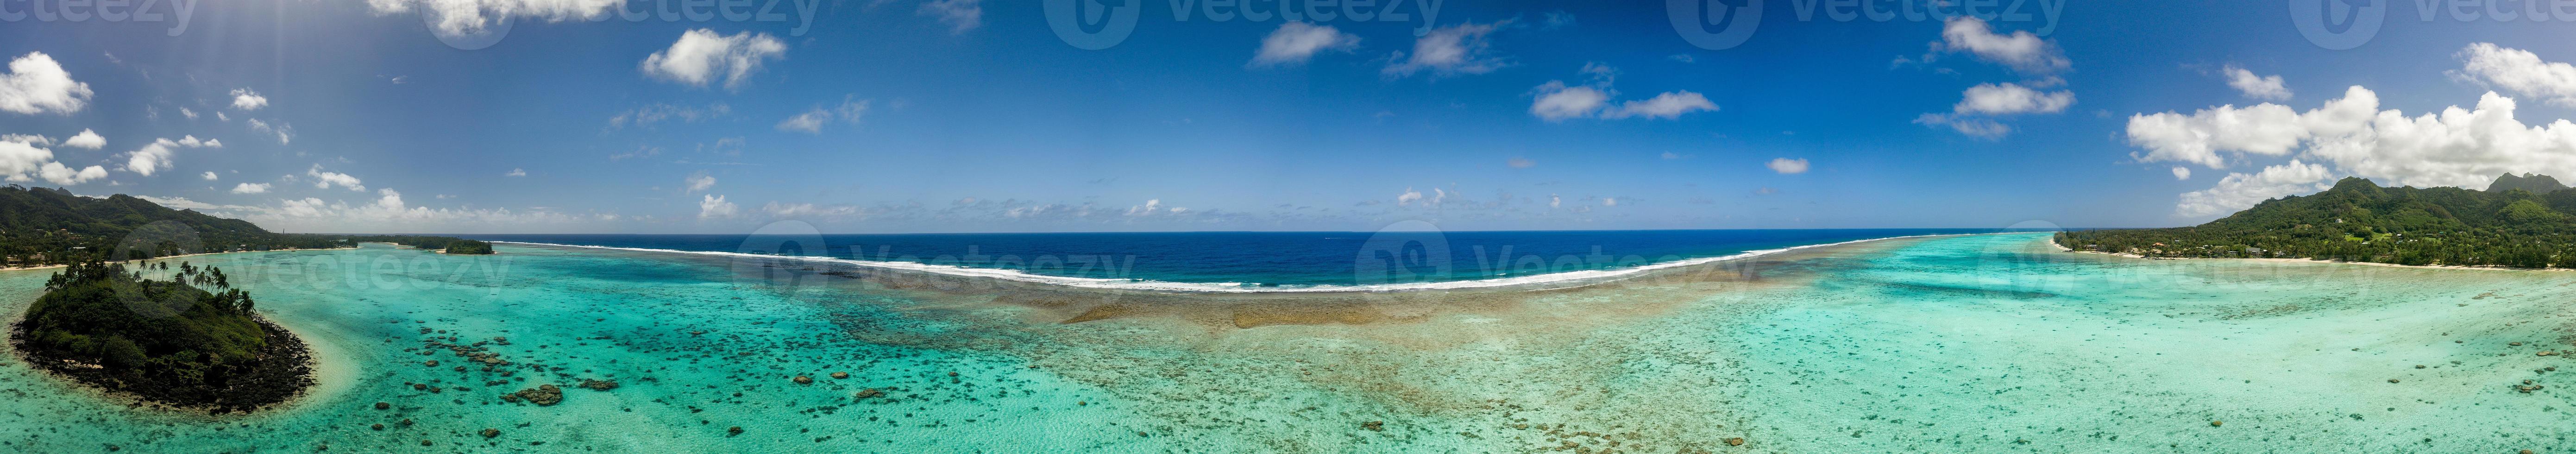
[41,226]
[2508,224]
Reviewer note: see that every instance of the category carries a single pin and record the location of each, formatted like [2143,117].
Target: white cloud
[36,84]
[960,15]
[209,176]
[2024,52]
[1448,51]
[1556,101]
[1786,166]
[386,212]
[807,210]
[285,133]
[250,188]
[29,139]
[2240,191]
[1555,202]
[191,114]
[1296,42]
[2010,98]
[1668,105]
[812,121]
[22,161]
[1154,207]
[2267,88]
[715,206]
[2463,147]
[56,173]
[466,17]
[325,180]
[700,183]
[701,56]
[1973,127]
[2182,173]
[516,173]
[2264,129]
[1408,197]
[86,139]
[2520,72]
[245,99]
[656,113]
[809,122]
[155,156]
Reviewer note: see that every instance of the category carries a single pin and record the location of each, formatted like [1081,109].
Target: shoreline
[311,361]
[2052,241]
[44,267]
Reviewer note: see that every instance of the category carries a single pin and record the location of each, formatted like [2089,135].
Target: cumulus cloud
[155,156]
[1786,166]
[2519,72]
[2010,98]
[209,176]
[2024,52]
[699,183]
[2239,191]
[1154,207]
[245,99]
[250,188]
[701,56]
[325,180]
[960,15]
[1973,127]
[515,172]
[714,206]
[466,17]
[1449,51]
[22,161]
[2267,88]
[1296,42]
[812,121]
[86,139]
[2463,147]
[2264,129]
[2182,173]
[57,173]
[36,84]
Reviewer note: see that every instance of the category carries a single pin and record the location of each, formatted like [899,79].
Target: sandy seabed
[1988,343]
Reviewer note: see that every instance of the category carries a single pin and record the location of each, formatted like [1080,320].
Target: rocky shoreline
[284,371]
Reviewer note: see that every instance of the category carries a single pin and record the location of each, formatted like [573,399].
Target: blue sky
[962,115]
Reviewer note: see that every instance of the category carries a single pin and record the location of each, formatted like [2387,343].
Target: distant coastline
[41,267]
[2052,241]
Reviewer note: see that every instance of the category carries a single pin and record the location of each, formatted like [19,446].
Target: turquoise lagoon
[1989,343]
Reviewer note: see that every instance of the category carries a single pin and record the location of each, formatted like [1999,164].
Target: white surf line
[1236,287]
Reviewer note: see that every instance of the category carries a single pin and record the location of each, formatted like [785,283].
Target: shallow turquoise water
[1966,344]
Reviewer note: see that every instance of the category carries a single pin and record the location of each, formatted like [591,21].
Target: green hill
[40,226]
[2507,225]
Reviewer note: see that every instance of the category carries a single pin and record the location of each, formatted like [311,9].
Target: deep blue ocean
[1261,259]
